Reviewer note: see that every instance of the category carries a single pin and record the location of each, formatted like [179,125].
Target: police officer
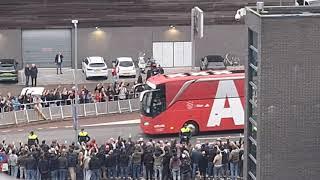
[32,139]
[185,132]
[83,136]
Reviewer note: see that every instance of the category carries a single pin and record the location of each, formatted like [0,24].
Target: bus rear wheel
[194,127]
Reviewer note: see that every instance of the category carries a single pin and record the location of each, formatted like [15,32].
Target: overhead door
[163,53]
[41,46]
[182,54]
[172,54]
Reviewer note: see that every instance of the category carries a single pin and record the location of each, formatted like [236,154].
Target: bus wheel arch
[194,126]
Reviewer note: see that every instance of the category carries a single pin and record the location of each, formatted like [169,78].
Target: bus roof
[218,74]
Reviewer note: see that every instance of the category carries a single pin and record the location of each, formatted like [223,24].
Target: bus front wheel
[194,127]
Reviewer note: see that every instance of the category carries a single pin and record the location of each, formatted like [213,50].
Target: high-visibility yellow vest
[83,134]
[32,137]
[185,130]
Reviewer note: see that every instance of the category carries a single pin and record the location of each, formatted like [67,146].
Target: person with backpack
[225,161]
[175,164]
[234,159]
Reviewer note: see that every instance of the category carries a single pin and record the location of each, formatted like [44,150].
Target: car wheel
[194,127]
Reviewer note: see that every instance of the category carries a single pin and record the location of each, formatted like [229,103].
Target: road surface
[101,129]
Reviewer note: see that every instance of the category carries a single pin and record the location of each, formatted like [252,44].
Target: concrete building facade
[112,42]
[283,98]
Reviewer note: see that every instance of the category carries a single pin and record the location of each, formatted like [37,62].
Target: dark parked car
[214,62]
[8,70]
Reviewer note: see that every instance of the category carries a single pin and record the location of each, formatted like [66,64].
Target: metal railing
[62,109]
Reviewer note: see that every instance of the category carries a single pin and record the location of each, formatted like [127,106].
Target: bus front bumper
[156,128]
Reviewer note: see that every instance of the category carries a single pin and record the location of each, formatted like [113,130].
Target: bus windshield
[153,102]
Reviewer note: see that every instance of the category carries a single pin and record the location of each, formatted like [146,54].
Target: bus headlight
[146,123]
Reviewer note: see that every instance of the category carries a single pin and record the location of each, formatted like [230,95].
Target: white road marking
[54,127]
[135,121]
[5,131]
[68,126]
[20,130]
[39,128]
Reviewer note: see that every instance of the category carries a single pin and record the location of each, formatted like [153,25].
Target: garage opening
[41,46]
[173,54]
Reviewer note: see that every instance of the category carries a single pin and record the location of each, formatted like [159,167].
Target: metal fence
[56,111]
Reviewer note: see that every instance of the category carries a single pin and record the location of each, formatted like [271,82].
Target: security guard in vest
[83,136]
[185,134]
[32,139]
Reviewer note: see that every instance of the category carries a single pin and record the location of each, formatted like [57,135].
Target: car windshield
[126,63]
[8,67]
[97,65]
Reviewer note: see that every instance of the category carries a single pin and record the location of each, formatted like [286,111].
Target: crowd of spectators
[64,96]
[125,159]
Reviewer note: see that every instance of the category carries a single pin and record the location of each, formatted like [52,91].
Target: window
[252,93]
[126,63]
[253,38]
[252,168]
[97,65]
[154,102]
[252,147]
[253,57]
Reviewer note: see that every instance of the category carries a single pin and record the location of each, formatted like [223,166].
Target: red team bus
[206,101]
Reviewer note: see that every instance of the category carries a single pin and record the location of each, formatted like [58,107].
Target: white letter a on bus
[226,91]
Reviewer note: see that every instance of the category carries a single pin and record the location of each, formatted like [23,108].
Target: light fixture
[172,26]
[97,28]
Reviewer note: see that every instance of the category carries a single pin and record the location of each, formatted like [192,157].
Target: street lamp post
[75,104]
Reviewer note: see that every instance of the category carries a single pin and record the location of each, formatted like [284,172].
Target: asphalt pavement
[101,129]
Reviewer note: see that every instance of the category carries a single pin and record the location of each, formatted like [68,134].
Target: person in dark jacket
[72,158]
[53,164]
[195,158]
[44,168]
[58,60]
[62,163]
[33,74]
[31,167]
[45,147]
[94,166]
[203,165]
[166,164]
[27,74]
[148,163]
[124,163]
[111,165]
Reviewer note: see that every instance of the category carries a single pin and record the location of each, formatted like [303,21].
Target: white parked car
[125,67]
[94,67]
